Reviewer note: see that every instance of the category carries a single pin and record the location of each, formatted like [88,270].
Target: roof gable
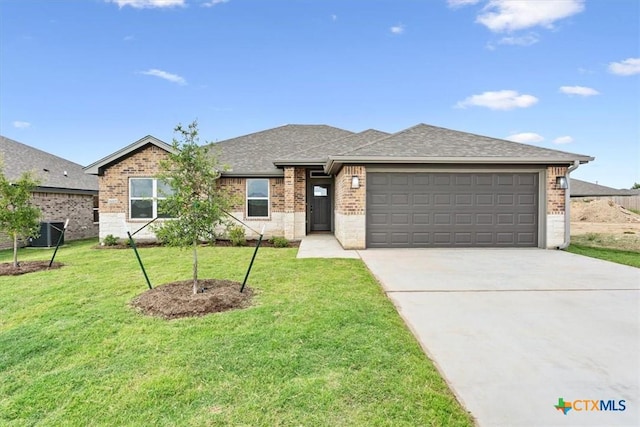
[53,172]
[97,167]
[255,153]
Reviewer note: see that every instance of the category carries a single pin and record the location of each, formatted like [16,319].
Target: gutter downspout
[567,207]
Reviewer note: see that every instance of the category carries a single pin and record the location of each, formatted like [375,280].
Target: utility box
[49,234]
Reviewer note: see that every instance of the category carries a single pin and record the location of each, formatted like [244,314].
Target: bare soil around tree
[603,223]
[24,267]
[175,300]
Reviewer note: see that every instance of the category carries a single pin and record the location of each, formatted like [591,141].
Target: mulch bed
[221,243]
[176,300]
[7,268]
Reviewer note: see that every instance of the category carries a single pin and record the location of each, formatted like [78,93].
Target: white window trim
[247,198]
[154,199]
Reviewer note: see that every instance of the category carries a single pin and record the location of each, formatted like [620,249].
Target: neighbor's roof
[96,168]
[255,153]
[49,169]
[580,188]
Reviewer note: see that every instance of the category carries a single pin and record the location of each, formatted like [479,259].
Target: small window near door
[96,209]
[319,191]
[257,198]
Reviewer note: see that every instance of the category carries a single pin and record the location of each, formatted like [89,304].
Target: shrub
[592,236]
[279,242]
[110,240]
[237,236]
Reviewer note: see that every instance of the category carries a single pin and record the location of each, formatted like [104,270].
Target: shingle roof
[430,141]
[50,169]
[338,146]
[580,188]
[254,154]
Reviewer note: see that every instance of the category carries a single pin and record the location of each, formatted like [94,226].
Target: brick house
[65,191]
[421,187]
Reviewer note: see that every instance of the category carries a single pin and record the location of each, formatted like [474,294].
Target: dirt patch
[601,211]
[604,224]
[176,300]
[24,267]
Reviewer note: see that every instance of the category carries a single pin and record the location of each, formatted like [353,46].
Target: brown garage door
[407,210]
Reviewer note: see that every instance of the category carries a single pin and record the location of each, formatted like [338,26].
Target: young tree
[18,217]
[635,186]
[194,200]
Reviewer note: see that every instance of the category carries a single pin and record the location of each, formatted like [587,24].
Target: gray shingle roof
[581,188]
[430,141]
[50,169]
[338,146]
[255,153]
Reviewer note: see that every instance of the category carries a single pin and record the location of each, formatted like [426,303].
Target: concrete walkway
[514,330]
[323,246]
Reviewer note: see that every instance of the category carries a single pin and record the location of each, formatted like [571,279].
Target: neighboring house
[421,187]
[65,191]
[630,199]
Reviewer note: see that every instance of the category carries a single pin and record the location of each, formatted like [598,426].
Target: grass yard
[322,345]
[631,258]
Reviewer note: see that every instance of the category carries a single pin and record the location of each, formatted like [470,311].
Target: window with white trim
[258,198]
[146,197]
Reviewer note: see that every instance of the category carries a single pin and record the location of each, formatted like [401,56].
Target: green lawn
[631,258]
[322,345]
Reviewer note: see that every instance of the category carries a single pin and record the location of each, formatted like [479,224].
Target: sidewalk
[323,246]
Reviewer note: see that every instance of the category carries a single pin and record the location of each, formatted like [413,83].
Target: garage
[409,210]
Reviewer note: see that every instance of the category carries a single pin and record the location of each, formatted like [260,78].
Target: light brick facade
[350,205]
[288,201]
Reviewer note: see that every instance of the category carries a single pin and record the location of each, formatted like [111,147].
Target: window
[257,198]
[146,197]
[96,207]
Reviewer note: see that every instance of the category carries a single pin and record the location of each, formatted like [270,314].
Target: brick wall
[555,194]
[114,183]
[350,218]
[57,207]
[350,201]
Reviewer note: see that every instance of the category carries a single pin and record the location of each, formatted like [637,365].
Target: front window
[146,198]
[257,198]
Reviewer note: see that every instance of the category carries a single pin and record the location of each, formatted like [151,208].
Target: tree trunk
[15,250]
[195,266]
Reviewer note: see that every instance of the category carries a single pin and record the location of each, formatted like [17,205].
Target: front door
[320,208]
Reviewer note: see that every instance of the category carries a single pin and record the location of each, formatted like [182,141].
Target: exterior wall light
[561,182]
[355,181]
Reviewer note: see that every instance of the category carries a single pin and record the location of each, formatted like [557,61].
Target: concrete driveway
[514,330]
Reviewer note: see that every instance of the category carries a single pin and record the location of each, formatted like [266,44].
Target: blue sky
[82,79]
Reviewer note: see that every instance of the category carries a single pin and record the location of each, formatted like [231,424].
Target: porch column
[289,203]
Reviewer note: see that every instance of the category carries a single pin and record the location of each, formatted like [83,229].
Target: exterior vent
[318,174]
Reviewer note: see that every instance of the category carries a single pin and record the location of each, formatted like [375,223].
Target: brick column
[289,202]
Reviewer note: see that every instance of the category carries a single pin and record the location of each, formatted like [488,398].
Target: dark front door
[320,207]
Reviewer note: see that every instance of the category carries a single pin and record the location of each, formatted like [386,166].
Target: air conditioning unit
[49,234]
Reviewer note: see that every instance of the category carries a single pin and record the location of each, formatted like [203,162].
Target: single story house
[65,191]
[425,186]
[583,190]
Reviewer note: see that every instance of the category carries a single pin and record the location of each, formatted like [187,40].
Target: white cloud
[627,67]
[174,78]
[21,125]
[510,15]
[334,17]
[212,3]
[526,137]
[499,100]
[579,90]
[563,140]
[397,29]
[460,3]
[147,4]
[128,38]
